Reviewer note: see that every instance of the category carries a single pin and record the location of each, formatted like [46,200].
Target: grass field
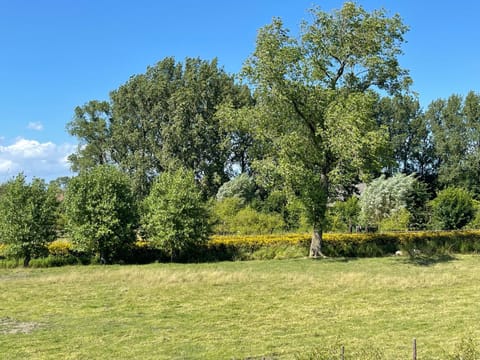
[238,310]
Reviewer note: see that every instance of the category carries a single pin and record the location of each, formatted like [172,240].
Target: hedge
[355,245]
[279,246]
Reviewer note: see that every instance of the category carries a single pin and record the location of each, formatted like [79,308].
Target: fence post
[342,353]
[414,349]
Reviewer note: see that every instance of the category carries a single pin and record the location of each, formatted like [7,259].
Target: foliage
[224,213]
[60,247]
[411,145]
[343,215]
[315,97]
[384,196]
[27,217]
[431,243]
[453,208]
[398,220]
[241,187]
[175,217]
[231,217]
[454,123]
[250,221]
[101,212]
[166,114]
[416,202]
[91,126]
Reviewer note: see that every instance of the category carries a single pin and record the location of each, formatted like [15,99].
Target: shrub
[223,215]
[60,247]
[343,215]
[383,196]
[397,221]
[452,209]
[250,221]
[174,216]
[241,187]
[230,217]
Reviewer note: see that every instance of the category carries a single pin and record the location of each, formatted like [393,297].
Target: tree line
[283,145]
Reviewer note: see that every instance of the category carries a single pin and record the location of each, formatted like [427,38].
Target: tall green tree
[455,125]
[315,97]
[166,114]
[101,212]
[410,138]
[27,217]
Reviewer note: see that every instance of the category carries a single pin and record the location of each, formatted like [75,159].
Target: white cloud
[35,125]
[44,160]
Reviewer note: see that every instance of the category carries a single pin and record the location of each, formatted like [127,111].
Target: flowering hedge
[357,245]
[277,246]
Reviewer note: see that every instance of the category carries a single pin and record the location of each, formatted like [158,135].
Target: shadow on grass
[429,260]
[334,259]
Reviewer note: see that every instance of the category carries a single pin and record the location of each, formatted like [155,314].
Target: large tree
[455,124]
[315,97]
[166,114]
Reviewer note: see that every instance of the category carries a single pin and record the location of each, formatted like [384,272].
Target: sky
[59,54]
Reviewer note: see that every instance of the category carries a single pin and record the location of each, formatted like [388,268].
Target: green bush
[230,217]
[27,217]
[250,221]
[452,209]
[101,213]
[241,187]
[398,220]
[175,217]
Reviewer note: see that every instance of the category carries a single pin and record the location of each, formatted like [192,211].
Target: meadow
[238,310]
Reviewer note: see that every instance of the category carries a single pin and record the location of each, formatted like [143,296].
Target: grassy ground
[239,310]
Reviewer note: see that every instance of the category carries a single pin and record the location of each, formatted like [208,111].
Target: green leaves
[315,99]
[101,212]
[452,209]
[27,216]
[174,215]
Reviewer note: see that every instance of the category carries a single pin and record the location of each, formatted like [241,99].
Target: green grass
[275,309]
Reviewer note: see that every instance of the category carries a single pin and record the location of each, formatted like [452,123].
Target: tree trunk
[26,260]
[316,244]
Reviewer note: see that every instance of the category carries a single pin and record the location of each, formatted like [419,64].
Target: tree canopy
[315,95]
[27,217]
[101,212]
[166,114]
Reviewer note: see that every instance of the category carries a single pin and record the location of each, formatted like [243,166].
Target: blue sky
[57,54]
